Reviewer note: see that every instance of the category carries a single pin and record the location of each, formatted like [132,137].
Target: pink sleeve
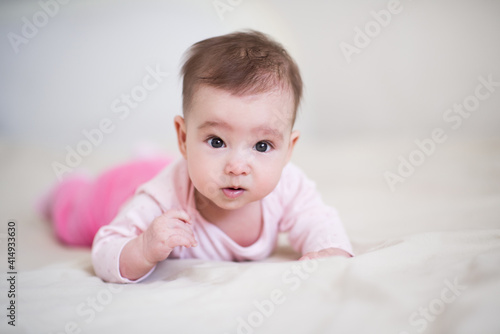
[310,223]
[133,219]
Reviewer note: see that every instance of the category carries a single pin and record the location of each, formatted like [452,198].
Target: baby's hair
[242,63]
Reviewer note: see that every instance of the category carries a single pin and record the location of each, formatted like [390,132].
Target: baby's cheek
[200,178]
[268,181]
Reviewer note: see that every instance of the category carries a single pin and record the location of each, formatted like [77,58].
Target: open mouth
[233,192]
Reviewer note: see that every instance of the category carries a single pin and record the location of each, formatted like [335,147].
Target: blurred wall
[371,68]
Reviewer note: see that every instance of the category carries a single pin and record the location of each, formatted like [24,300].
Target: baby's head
[241,93]
[242,63]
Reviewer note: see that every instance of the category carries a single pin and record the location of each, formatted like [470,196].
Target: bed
[427,255]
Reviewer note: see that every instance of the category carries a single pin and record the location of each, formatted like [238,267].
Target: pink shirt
[294,206]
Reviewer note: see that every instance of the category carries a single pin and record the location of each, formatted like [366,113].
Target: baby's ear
[294,137]
[180,128]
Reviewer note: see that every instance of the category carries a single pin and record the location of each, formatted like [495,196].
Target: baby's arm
[142,253]
[314,228]
[140,227]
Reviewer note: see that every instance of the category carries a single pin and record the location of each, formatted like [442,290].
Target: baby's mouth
[233,192]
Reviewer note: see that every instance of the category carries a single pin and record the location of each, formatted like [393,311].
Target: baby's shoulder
[292,174]
[292,180]
[170,187]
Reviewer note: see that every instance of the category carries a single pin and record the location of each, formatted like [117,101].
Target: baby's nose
[238,163]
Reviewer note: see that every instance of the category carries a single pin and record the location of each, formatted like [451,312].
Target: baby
[234,188]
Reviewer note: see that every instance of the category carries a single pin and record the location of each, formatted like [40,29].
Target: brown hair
[241,63]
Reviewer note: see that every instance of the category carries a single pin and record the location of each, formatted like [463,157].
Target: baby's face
[236,146]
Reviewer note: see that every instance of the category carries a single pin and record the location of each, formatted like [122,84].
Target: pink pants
[79,206]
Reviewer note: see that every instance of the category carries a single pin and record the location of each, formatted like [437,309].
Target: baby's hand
[325,253]
[167,231]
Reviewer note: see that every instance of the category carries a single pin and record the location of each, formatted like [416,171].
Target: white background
[426,59]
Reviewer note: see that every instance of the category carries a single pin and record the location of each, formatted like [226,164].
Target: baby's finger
[177,240]
[178,214]
[191,237]
[309,256]
[176,224]
[333,252]
[181,239]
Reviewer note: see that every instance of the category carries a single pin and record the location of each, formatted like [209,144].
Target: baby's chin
[231,204]
[221,202]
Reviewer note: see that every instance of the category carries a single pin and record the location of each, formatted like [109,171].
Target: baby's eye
[262,146]
[216,142]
